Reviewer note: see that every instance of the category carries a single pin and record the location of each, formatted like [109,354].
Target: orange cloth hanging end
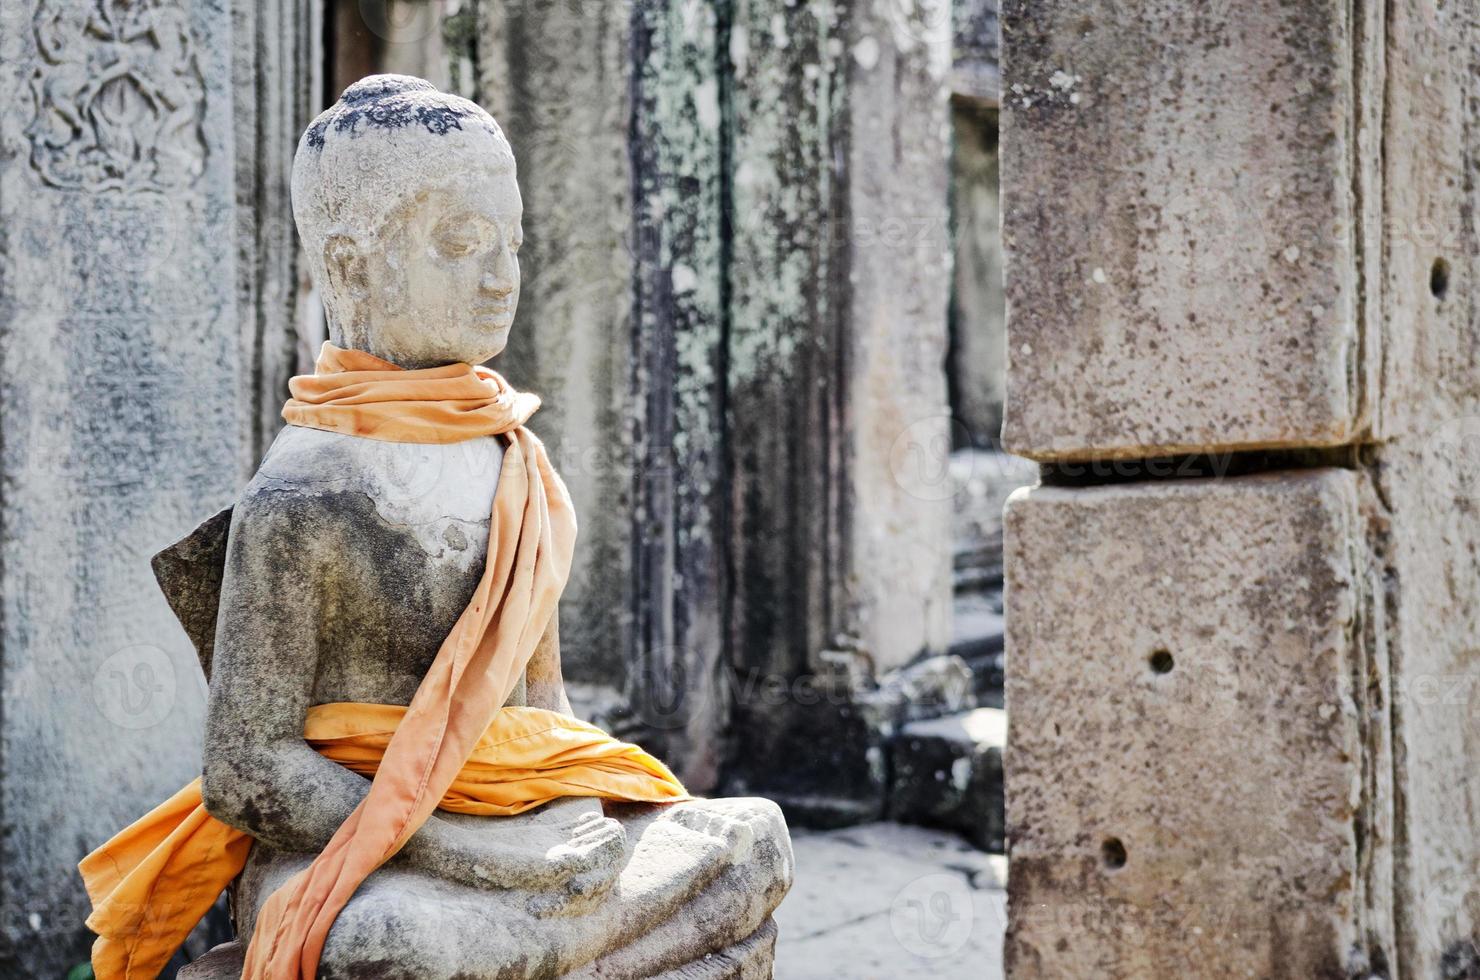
[154,881]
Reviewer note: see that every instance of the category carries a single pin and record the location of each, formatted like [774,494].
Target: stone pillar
[976,365]
[1197,773]
[976,361]
[1242,708]
[838,423]
[278,79]
[614,115]
[737,267]
[137,358]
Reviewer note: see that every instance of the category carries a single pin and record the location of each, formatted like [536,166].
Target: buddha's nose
[501,275]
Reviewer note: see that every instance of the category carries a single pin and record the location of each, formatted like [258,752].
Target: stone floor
[890,902]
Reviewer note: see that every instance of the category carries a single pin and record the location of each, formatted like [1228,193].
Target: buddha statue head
[406,201]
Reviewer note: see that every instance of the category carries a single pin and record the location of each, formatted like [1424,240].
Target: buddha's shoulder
[328,477]
[308,473]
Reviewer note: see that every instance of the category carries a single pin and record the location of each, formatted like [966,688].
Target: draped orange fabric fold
[152,882]
[530,540]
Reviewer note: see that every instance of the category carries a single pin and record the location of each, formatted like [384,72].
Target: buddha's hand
[566,855]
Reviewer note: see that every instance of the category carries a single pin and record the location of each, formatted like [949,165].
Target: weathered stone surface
[947,772]
[189,574]
[694,880]
[1425,472]
[1428,536]
[838,333]
[128,380]
[224,962]
[550,71]
[1198,780]
[678,660]
[977,359]
[838,428]
[1188,198]
[277,89]
[615,112]
[743,169]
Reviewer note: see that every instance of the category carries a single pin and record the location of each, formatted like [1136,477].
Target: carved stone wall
[137,346]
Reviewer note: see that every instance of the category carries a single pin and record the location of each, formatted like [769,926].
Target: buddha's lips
[498,315]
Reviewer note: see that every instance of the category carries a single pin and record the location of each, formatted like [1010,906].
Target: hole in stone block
[1112,852]
[1439,278]
[1161,661]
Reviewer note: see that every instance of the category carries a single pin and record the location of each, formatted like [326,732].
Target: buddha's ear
[348,273]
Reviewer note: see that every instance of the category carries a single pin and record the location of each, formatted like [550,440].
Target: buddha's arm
[545,684]
[259,775]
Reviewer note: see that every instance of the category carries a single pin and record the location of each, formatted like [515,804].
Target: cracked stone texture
[1198,781]
[1184,225]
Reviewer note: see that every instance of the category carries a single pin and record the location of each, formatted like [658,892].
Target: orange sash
[530,539]
[152,882]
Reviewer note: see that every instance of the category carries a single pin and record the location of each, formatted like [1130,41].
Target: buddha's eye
[461,236]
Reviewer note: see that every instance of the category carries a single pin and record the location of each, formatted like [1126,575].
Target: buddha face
[440,282]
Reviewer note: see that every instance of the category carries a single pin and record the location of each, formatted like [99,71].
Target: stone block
[1187,198]
[947,772]
[1199,777]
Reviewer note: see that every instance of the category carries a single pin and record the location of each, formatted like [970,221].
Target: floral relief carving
[119,96]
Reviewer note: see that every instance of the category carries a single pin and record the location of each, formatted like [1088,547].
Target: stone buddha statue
[347,563]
